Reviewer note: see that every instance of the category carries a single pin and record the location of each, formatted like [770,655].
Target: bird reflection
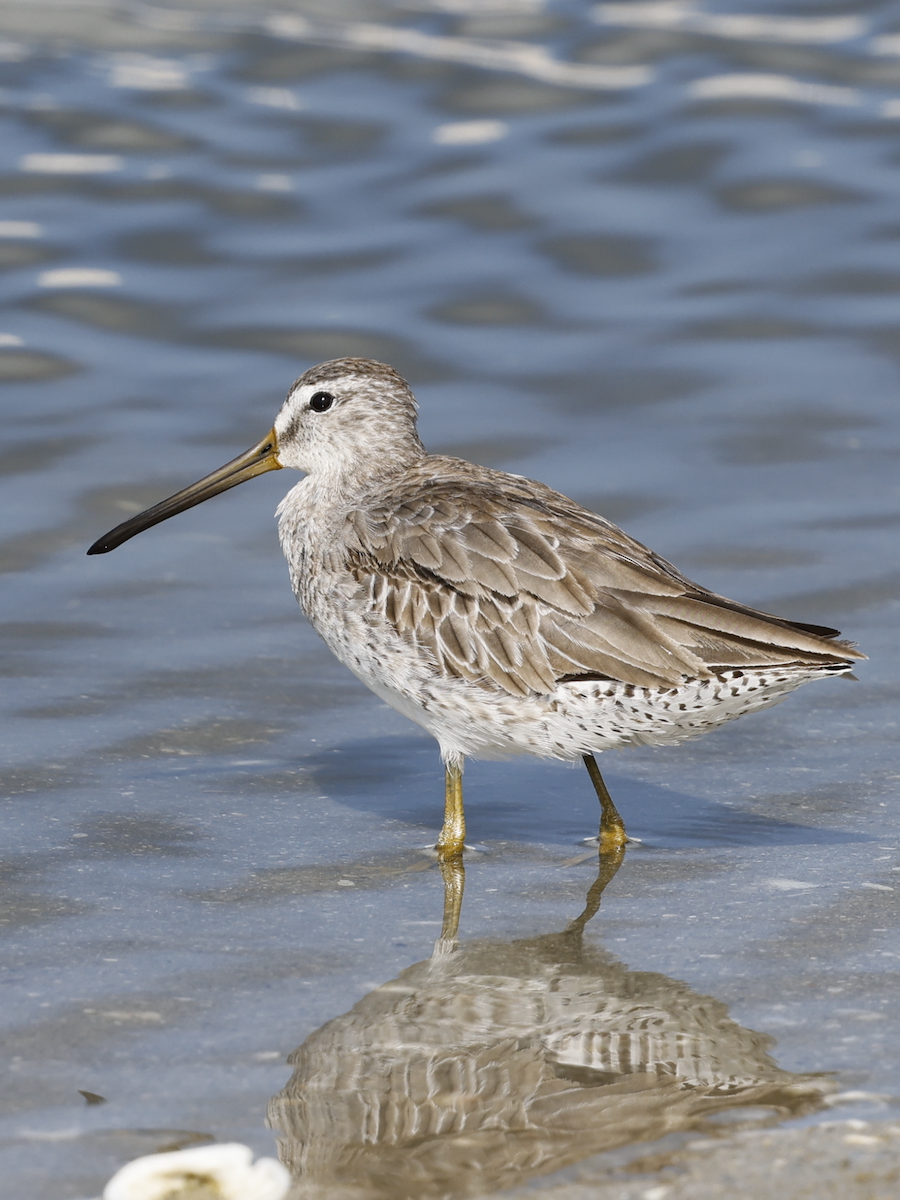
[495,1062]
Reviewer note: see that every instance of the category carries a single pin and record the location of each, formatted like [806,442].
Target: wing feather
[535,555]
[460,628]
[487,575]
[492,540]
[453,642]
[457,561]
[427,551]
[579,654]
[563,594]
[698,613]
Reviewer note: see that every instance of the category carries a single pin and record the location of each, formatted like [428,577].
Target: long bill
[256,461]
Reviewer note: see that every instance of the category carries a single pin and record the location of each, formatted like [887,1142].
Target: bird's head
[350,418]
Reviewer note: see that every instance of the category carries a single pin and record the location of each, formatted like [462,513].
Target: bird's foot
[443,854]
[610,840]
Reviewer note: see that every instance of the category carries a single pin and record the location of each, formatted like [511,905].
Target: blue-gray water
[647,253]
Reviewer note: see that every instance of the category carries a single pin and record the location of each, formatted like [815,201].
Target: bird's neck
[350,481]
[322,501]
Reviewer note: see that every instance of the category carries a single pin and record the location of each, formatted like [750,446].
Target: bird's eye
[321,401]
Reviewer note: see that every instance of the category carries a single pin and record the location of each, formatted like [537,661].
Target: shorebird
[493,611]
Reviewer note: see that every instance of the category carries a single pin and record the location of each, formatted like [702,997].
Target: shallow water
[647,254]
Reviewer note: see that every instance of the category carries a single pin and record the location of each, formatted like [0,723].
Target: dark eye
[321,401]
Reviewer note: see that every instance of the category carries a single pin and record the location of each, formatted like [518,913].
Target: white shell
[227,1171]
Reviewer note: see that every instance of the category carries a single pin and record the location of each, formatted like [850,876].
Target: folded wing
[519,585]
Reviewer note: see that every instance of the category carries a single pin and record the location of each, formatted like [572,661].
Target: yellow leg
[453,834]
[612,827]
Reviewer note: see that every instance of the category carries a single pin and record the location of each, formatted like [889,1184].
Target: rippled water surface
[647,253]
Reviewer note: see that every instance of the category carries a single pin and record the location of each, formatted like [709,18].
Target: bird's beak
[256,461]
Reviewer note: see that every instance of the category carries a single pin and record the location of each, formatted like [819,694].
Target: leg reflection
[454,876]
[610,861]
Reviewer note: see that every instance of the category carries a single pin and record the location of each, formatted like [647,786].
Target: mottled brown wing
[504,579]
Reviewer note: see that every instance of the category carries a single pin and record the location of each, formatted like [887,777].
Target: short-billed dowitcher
[494,612]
